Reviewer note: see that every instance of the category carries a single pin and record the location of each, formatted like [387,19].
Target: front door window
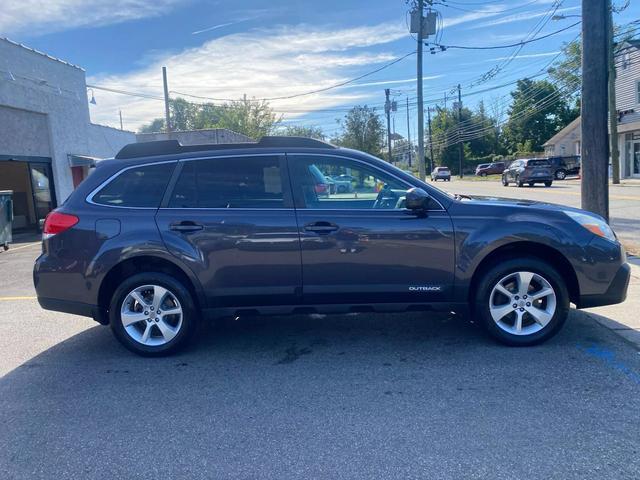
[636,159]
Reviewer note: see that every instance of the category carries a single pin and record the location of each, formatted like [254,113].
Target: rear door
[231,219]
[361,245]
[513,169]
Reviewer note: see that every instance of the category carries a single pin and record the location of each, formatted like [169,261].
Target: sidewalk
[627,318]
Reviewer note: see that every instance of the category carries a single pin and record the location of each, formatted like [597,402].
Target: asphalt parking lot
[363,396]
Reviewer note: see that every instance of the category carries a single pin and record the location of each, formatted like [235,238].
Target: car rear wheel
[561,174]
[152,314]
[548,184]
[522,301]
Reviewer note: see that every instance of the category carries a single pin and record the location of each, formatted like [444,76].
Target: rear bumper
[546,178]
[615,293]
[74,308]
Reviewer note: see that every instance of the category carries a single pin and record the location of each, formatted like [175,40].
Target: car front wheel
[522,301]
[152,314]
[505,182]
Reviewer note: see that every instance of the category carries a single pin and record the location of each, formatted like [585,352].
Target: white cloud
[45,16]
[528,55]
[215,27]
[261,63]
[518,17]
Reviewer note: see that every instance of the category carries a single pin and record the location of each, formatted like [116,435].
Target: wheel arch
[140,264]
[519,249]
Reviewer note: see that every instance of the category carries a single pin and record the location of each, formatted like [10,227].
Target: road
[624,201]
[364,396]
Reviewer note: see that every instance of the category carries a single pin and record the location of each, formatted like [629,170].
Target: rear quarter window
[141,187]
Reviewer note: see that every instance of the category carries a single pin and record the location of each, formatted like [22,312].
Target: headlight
[593,224]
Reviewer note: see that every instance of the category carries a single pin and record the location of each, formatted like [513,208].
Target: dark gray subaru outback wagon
[165,235]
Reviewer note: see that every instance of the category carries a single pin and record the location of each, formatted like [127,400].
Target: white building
[628,106]
[47,140]
[567,141]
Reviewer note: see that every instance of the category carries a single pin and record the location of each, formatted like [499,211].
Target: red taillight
[321,188]
[58,222]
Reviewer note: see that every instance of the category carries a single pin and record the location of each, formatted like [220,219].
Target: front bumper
[615,293]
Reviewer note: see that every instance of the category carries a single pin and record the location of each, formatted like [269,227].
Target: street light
[93,99]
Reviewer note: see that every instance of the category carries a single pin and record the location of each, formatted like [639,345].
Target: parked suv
[441,173]
[564,167]
[529,171]
[494,168]
[166,235]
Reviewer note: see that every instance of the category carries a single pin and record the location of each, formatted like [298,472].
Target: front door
[231,220]
[635,160]
[359,244]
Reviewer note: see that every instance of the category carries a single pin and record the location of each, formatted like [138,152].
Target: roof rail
[170,147]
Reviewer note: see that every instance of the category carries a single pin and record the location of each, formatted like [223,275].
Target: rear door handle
[186,227]
[321,228]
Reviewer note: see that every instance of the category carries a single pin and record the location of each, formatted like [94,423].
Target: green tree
[249,117]
[304,131]
[155,126]
[254,118]
[538,112]
[362,129]
[567,71]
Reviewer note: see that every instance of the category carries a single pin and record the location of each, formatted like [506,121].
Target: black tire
[190,314]
[531,184]
[483,174]
[518,182]
[505,182]
[548,184]
[504,268]
[561,174]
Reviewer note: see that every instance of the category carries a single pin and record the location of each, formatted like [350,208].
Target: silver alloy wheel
[151,315]
[522,303]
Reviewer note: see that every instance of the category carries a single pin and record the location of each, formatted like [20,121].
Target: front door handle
[186,227]
[322,228]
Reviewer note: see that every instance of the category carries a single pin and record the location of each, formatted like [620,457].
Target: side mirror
[417,199]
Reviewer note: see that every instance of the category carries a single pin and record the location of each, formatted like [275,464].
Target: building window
[637,91]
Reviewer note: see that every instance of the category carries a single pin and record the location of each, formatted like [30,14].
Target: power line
[495,47]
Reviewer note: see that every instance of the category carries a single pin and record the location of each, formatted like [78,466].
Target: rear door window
[138,187]
[229,182]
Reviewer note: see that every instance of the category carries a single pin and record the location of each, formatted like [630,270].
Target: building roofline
[112,128]
[41,53]
[562,133]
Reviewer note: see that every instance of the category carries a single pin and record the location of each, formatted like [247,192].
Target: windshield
[538,163]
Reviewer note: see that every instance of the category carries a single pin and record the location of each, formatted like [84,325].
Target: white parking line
[13,249]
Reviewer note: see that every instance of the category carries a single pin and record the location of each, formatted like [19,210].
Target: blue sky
[278,48]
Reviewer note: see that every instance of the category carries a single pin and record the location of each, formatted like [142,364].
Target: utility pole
[460,144]
[595,142]
[423,27]
[613,111]
[421,166]
[120,112]
[167,117]
[387,110]
[430,140]
[409,133]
